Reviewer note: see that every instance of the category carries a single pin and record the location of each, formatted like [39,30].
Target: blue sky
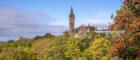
[36,17]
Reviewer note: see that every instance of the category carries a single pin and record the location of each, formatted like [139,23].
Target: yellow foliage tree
[99,48]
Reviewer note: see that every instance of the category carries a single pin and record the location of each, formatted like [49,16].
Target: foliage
[73,48]
[47,35]
[13,54]
[99,48]
[52,49]
[127,20]
[123,43]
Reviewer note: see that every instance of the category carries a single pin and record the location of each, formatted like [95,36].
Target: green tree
[99,48]
[52,49]
[73,48]
[13,54]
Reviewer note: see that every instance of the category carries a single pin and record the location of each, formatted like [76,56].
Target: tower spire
[71,12]
[71,22]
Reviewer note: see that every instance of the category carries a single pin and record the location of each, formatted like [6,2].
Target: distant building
[76,32]
[80,29]
[71,22]
[84,29]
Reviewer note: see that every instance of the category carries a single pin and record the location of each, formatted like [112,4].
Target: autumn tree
[10,53]
[99,48]
[127,21]
[52,49]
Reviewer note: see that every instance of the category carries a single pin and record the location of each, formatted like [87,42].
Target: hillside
[62,47]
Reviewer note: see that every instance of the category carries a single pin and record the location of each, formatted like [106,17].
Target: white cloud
[93,22]
[16,23]
[101,20]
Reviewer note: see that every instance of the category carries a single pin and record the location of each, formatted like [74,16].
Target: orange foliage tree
[127,20]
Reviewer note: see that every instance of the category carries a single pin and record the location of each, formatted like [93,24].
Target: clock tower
[71,22]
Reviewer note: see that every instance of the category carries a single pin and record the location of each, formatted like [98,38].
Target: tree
[127,21]
[48,35]
[13,54]
[52,49]
[73,48]
[99,48]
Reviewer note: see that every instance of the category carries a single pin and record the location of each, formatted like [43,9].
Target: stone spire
[71,12]
[71,22]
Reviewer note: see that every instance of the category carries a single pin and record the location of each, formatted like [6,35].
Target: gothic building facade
[84,29]
[81,29]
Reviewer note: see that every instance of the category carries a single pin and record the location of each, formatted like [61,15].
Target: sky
[29,18]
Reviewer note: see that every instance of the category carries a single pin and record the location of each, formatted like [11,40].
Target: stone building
[85,29]
[71,22]
[81,29]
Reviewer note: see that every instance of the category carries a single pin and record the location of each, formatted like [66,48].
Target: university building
[81,29]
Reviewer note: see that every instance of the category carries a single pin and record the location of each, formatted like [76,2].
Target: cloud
[101,20]
[15,23]
[94,22]
[91,21]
